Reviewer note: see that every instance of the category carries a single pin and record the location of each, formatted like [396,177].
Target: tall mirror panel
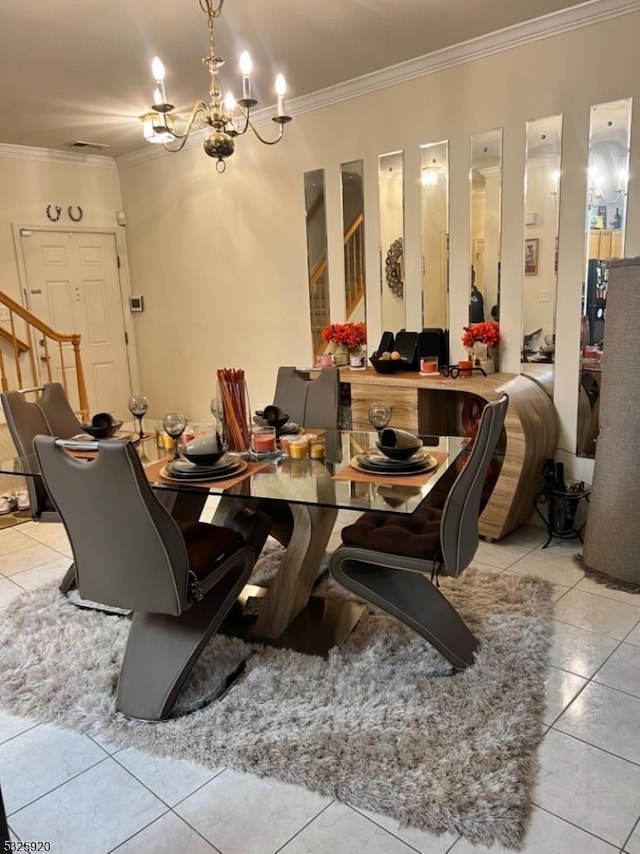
[542,219]
[316,220]
[605,222]
[486,228]
[391,192]
[353,230]
[435,234]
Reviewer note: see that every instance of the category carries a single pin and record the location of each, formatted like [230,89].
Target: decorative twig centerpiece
[234,405]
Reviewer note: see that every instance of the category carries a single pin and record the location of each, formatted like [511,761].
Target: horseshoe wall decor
[71,216]
[58,211]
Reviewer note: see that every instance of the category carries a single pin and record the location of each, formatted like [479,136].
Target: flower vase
[482,358]
[339,352]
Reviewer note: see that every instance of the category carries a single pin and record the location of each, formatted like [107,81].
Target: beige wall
[31,180]
[221,260]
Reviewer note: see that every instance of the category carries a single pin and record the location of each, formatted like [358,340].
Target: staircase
[354,279]
[32,354]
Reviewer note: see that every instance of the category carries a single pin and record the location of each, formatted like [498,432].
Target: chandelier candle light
[228,118]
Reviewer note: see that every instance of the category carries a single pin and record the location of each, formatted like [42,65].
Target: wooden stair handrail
[32,320]
[355,225]
[47,332]
[22,346]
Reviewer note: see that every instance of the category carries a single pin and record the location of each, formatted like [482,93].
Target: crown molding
[591,12]
[26,152]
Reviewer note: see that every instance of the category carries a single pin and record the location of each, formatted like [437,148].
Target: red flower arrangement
[349,335]
[486,333]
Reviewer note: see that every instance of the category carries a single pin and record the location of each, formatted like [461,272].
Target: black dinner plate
[200,477]
[185,468]
[289,429]
[380,461]
[360,463]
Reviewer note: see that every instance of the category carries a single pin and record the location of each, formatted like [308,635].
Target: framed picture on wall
[531,256]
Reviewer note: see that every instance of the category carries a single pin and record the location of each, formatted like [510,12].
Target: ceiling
[80,69]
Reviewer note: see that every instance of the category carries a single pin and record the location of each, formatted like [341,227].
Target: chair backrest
[309,402]
[26,420]
[128,551]
[62,420]
[459,526]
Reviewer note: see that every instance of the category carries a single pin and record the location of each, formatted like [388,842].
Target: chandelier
[226,117]
[596,195]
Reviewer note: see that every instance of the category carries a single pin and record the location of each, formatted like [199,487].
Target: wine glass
[138,406]
[174,424]
[217,411]
[379,415]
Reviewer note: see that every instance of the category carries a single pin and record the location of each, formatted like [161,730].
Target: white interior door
[73,285]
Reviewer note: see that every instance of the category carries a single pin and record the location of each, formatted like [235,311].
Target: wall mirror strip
[391,194]
[435,234]
[351,175]
[605,224]
[316,223]
[543,163]
[485,177]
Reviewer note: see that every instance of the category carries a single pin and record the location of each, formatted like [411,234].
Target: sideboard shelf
[433,404]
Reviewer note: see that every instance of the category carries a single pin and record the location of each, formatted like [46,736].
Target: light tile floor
[87,797]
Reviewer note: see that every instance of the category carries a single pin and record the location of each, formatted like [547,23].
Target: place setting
[398,457]
[398,453]
[273,416]
[202,459]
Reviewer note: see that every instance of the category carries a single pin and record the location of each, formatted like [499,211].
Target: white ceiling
[80,69]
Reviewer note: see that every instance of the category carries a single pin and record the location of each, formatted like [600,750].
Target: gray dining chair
[310,402]
[50,415]
[385,558]
[178,580]
[25,420]
[61,418]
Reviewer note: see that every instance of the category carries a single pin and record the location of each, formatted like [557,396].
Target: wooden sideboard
[432,405]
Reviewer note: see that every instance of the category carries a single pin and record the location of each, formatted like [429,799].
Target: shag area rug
[383,724]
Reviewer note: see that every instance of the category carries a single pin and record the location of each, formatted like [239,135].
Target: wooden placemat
[349,473]
[153,474]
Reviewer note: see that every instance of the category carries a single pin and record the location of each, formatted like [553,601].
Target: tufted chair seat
[385,557]
[416,536]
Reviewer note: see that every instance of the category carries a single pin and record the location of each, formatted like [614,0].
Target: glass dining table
[310,492]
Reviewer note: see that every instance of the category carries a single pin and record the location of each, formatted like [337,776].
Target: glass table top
[310,481]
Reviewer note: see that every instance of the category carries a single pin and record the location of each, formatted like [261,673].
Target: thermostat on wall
[136,303]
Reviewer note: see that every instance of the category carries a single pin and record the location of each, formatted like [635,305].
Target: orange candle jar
[317,448]
[299,448]
[285,441]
